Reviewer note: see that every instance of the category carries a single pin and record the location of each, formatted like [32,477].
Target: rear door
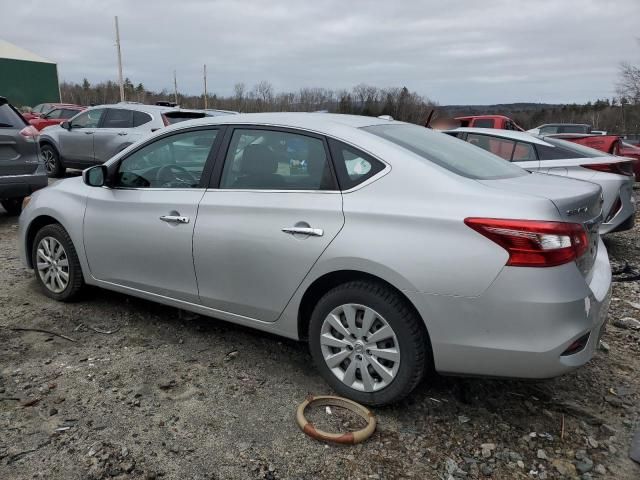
[18,154]
[273,209]
[76,144]
[112,133]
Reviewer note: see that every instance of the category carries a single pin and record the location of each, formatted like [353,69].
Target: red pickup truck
[489,121]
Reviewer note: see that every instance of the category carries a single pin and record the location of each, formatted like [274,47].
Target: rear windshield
[566,149]
[448,152]
[9,118]
[178,116]
[483,123]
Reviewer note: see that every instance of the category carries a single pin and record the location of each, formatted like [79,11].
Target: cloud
[453,51]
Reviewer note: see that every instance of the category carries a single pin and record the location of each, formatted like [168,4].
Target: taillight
[619,168]
[532,243]
[30,132]
[165,120]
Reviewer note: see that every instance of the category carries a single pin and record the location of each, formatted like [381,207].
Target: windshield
[448,152]
[579,151]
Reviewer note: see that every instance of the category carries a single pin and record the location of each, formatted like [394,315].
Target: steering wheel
[167,174]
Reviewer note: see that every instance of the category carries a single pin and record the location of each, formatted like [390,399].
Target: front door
[274,210]
[76,144]
[139,232]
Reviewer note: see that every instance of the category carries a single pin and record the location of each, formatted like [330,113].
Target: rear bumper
[521,326]
[16,186]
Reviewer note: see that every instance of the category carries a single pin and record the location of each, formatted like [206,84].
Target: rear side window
[524,152]
[9,118]
[352,165]
[140,118]
[563,149]
[178,116]
[118,118]
[447,152]
[548,130]
[484,123]
[501,147]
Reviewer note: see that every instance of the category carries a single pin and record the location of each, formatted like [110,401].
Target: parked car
[396,249]
[553,128]
[56,116]
[559,157]
[21,170]
[42,108]
[631,151]
[96,134]
[489,121]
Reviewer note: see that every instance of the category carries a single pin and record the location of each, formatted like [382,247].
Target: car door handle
[313,232]
[122,133]
[88,133]
[174,219]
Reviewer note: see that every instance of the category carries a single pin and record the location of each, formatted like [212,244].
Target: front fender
[64,203]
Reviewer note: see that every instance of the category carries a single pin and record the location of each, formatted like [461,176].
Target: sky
[450,51]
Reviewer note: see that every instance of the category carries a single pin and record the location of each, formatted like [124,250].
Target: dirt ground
[176,396]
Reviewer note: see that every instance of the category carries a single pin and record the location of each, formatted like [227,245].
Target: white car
[558,157]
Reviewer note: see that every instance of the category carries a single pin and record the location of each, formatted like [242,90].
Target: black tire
[13,206]
[409,329]
[76,280]
[53,163]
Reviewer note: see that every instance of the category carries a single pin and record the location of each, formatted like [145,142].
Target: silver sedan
[390,248]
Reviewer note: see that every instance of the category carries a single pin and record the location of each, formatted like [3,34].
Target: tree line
[399,102]
[619,115]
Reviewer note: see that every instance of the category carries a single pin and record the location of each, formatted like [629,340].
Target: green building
[26,78]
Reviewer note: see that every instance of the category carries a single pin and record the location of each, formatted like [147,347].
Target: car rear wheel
[368,344]
[52,162]
[13,206]
[56,264]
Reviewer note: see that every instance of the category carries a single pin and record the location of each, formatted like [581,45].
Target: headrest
[257,159]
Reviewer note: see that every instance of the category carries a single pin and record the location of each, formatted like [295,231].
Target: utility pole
[119,61]
[205,86]
[175,88]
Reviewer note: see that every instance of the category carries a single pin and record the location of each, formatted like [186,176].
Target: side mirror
[66,125]
[95,176]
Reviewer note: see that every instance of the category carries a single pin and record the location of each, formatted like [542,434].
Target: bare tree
[629,83]
[239,89]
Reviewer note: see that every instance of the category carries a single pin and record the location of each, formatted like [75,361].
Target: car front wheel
[56,264]
[368,343]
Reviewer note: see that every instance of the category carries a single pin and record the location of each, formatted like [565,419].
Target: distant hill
[497,109]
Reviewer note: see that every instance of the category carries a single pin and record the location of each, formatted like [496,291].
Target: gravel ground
[173,395]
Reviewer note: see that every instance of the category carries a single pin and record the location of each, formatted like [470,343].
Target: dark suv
[21,170]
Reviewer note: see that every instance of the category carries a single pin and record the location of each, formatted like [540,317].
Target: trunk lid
[577,202]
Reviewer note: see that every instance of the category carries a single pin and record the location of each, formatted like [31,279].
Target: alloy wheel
[360,347]
[49,160]
[52,264]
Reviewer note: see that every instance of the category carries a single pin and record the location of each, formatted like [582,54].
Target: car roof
[510,134]
[321,122]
